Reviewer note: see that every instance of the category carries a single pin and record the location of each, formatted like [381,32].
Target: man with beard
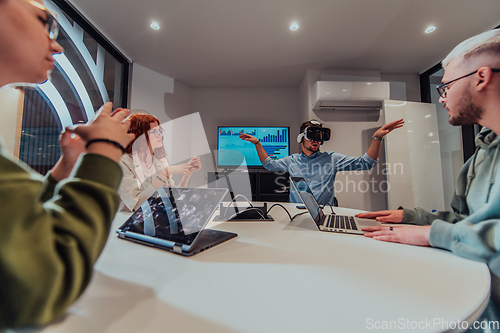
[471,94]
[317,167]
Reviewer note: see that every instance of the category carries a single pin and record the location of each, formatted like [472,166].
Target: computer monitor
[233,152]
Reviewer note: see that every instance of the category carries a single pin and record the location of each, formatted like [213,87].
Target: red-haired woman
[144,164]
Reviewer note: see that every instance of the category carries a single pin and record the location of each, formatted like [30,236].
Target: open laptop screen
[175,214]
[308,198]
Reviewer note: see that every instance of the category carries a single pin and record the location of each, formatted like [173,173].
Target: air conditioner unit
[349,96]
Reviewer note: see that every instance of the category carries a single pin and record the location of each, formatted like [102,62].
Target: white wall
[410,83]
[148,90]
[246,107]
[178,102]
[9,103]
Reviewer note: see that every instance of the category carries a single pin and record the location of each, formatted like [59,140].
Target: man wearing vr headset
[317,167]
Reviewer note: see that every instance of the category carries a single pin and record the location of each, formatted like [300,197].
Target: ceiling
[248,43]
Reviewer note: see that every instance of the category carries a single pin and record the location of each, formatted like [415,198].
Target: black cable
[298,215]
[281,207]
[331,207]
[236,207]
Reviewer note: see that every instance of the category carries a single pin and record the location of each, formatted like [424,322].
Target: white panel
[413,156]
[184,138]
[57,102]
[9,103]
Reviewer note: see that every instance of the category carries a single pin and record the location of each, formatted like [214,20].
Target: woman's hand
[180,169]
[106,125]
[195,164]
[71,148]
[184,169]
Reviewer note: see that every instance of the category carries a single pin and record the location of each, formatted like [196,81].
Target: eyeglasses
[157,131]
[442,88]
[51,25]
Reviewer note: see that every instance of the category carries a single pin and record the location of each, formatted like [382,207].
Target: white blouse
[135,186]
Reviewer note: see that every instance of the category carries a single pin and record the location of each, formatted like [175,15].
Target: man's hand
[384,216]
[387,128]
[248,137]
[405,234]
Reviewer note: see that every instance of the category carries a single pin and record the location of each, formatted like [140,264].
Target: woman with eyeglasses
[52,228]
[144,164]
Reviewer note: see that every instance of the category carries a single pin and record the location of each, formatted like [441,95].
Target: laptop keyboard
[340,222]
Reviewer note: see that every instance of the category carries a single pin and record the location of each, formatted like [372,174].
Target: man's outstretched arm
[258,146]
[376,145]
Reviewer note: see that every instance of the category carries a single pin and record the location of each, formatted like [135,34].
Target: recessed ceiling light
[294,26]
[155,26]
[430,29]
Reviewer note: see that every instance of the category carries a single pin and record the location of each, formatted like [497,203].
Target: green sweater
[51,234]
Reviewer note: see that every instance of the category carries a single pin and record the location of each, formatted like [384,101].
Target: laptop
[329,222]
[174,219]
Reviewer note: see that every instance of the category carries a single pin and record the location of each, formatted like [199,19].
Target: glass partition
[454,140]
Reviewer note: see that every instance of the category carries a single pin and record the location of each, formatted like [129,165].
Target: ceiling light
[294,26]
[155,26]
[430,29]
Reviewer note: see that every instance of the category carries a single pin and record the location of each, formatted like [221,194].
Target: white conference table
[278,276]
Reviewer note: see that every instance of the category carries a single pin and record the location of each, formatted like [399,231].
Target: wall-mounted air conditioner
[349,96]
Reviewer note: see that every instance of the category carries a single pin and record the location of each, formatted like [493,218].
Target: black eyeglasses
[51,25]
[442,88]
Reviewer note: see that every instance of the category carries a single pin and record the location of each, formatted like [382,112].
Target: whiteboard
[413,157]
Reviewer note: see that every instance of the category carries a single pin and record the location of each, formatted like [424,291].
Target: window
[88,74]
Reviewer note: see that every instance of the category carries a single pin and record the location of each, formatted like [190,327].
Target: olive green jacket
[51,234]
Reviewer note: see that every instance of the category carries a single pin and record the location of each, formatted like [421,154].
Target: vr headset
[319,134]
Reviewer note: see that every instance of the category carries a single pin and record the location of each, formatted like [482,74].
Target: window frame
[79,19]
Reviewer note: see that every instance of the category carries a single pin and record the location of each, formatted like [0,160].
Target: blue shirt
[319,171]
